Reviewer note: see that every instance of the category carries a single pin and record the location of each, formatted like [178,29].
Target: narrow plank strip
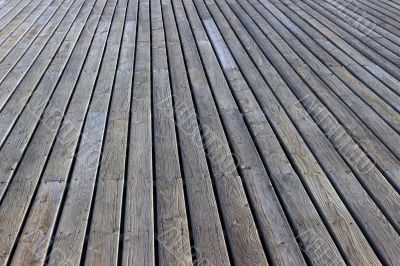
[33,8]
[28,20]
[12,149]
[384,10]
[208,237]
[34,242]
[347,119]
[275,231]
[377,39]
[372,178]
[13,11]
[373,223]
[383,72]
[8,6]
[33,92]
[284,15]
[172,224]
[14,70]
[304,215]
[367,20]
[28,174]
[305,161]
[103,232]
[139,247]
[244,242]
[115,147]
[89,117]
[28,32]
[3,4]
[388,164]
[304,61]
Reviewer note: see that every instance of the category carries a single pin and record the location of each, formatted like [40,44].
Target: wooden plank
[14,70]
[25,30]
[12,149]
[208,238]
[284,16]
[115,147]
[172,224]
[391,4]
[327,79]
[139,226]
[285,178]
[6,16]
[346,45]
[104,231]
[373,179]
[34,8]
[378,18]
[7,7]
[304,61]
[386,44]
[390,12]
[89,118]
[43,214]
[388,39]
[388,164]
[317,193]
[29,171]
[3,4]
[20,29]
[212,132]
[253,172]
[241,231]
[394,6]
[332,163]
[36,89]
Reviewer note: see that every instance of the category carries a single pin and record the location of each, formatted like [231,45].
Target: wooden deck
[213,132]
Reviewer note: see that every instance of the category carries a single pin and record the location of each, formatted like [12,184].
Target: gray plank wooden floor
[206,132]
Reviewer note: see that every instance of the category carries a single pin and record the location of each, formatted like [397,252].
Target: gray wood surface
[204,132]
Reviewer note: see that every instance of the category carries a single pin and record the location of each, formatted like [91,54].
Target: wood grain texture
[139,247]
[29,171]
[205,132]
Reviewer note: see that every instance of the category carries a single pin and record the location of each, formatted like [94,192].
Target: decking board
[207,132]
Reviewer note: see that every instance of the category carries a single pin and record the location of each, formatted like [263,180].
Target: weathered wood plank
[27,29]
[374,41]
[384,10]
[31,10]
[17,64]
[172,224]
[218,132]
[278,87]
[37,234]
[337,170]
[89,117]
[12,150]
[368,18]
[305,218]
[6,6]
[104,231]
[6,16]
[139,247]
[321,23]
[254,179]
[29,171]
[388,164]
[208,238]
[331,65]
[244,241]
[374,180]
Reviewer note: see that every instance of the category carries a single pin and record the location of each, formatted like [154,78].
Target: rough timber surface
[199,132]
